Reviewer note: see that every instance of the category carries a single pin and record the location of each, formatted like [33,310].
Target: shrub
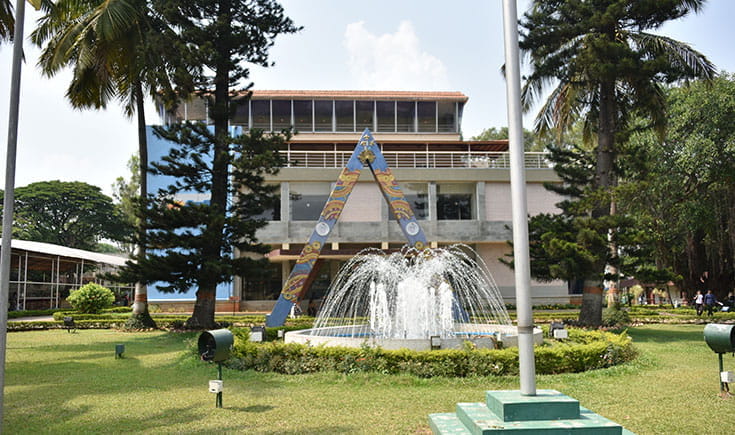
[615,317]
[91,298]
[585,350]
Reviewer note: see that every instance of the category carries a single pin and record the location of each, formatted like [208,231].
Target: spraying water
[413,294]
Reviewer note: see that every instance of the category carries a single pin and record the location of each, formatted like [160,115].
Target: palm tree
[605,67]
[107,45]
[7,20]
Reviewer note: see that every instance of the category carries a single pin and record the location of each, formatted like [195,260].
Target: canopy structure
[43,274]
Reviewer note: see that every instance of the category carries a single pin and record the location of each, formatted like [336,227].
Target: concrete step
[477,419]
[511,405]
[447,423]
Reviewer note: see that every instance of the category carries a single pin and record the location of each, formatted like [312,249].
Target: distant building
[43,274]
[459,189]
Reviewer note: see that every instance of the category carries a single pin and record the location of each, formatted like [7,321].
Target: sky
[406,45]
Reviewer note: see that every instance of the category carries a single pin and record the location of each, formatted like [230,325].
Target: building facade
[459,190]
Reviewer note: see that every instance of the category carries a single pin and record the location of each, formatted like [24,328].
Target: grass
[58,382]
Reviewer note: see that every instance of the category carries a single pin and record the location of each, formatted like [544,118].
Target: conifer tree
[216,38]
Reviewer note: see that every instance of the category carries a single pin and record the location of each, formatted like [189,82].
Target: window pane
[240,112]
[261,114]
[364,115]
[345,115]
[272,211]
[307,200]
[302,115]
[447,117]
[262,285]
[427,116]
[192,110]
[417,195]
[281,114]
[454,201]
[322,115]
[386,116]
[406,115]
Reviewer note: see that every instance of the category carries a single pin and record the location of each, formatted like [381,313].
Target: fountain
[416,299]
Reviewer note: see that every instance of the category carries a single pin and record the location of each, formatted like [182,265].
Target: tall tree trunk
[141,316]
[591,312]
[203,315]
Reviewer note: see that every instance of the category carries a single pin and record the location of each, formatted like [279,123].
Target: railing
[418,159]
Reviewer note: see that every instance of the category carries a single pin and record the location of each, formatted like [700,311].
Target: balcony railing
[418,159]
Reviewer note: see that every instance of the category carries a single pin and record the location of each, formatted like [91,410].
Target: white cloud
[392,61]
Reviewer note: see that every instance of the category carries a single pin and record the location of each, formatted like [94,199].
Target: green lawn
[58,382]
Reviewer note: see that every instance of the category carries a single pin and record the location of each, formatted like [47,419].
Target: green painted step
[511,405]
[480,420]
[447,423]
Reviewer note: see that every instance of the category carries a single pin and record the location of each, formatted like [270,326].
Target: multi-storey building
[459,189]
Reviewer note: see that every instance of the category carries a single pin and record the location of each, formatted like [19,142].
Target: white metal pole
[527,365]
[9,190]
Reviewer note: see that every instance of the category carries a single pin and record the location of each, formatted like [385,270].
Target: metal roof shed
[43,274]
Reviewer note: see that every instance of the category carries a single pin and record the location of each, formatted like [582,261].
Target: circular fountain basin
[482,336]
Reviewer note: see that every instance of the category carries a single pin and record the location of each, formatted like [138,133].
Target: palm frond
[685,61]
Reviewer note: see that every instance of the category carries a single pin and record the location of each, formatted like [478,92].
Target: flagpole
[521,260]
[9,198]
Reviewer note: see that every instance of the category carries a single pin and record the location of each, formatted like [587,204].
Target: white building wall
[538,200]
[364,204]
[504,276]
[497,202]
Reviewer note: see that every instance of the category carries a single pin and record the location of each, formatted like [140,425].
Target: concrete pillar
[432,201]
[385,221]
[285,202]
[285,271]
[480,201]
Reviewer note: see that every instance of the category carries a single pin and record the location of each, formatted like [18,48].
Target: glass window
[281,110]
[272,211]
[322,281]
[307,200]
[263,284]
[386,116]
[323,116]
[446,117]
[364,115]
[261,110]
[302,111]
[417,195]
[427,116]
[454,201]
[406,114]
[240,112]
[345,115]
[192,110]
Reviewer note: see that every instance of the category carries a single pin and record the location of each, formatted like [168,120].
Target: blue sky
[378,45]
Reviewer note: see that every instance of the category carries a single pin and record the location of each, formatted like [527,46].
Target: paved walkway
[33,319]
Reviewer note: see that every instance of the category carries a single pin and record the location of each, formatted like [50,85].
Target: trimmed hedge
[585,350]
[31,313]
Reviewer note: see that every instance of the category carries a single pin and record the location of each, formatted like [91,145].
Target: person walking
[709,302]
[699,302]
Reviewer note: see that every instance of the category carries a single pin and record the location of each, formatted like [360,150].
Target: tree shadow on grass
[667,335]
[251,408]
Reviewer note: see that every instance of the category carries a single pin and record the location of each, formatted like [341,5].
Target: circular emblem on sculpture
[322,229]
[412,228]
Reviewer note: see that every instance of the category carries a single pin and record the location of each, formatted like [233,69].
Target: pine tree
[215,39]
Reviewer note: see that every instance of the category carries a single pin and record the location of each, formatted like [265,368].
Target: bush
[585,350]
[91,298]
[615,317]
